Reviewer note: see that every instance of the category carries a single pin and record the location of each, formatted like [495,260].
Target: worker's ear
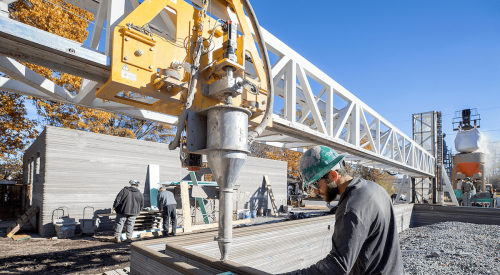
[333,175]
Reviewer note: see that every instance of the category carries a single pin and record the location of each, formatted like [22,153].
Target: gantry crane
[203,66]
[198,74]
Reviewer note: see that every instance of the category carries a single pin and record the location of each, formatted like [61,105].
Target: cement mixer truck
[470,161]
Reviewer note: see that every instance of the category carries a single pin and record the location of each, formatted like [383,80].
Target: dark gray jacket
[365,239]
[466,187]
[129,201]
[165,198]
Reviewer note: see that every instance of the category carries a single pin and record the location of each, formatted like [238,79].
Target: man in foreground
[128,205]
[365,239]
[167,204]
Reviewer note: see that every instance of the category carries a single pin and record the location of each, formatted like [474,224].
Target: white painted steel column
[355,125]
[329,111]
[290,91]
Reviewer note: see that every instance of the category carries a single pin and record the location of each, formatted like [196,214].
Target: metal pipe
[181,123]
[227,129]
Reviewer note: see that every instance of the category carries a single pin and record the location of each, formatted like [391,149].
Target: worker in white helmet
[365,239]
[128,205]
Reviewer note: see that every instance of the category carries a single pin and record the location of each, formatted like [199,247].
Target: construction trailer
[76,169]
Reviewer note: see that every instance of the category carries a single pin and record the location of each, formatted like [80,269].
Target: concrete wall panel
[79,169]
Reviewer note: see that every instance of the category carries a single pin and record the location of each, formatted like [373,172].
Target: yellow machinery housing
[151,71]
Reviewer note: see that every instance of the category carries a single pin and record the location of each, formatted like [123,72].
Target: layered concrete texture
[279,247]
[75,169]
[265,249]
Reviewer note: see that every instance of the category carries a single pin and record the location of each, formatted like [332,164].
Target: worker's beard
[332,190]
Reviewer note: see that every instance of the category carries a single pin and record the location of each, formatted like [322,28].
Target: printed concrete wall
[34,173]
[79,169]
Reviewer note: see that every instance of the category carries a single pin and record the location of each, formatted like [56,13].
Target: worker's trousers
[169,217]
[128,221]
[466,198]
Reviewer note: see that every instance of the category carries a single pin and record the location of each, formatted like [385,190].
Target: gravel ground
[451,248]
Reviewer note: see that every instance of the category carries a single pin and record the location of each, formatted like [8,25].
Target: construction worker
[467,187]
[128,205]
[365,239]
[167,204]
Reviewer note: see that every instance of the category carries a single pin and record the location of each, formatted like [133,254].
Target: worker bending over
[128,205]
[167,203]
[365,239]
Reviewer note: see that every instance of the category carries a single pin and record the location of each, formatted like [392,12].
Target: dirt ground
[78,255]
[85,255]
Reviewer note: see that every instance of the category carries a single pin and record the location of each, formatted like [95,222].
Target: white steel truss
[331,115]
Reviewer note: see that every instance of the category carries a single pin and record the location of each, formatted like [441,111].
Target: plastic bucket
[253,213]
[65,227]
[247,213]
[241,214]
[260,212]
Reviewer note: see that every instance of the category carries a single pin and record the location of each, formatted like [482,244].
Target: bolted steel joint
[177,65]
[224,87]
[139,52]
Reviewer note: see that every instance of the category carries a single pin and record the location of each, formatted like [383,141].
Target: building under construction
[165,62]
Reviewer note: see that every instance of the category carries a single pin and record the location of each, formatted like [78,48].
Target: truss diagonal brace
[26,43]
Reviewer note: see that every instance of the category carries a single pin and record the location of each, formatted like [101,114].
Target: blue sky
[400,57]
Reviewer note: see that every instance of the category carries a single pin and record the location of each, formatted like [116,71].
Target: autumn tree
[68,21]
[15,127]
[372,174]
[17,130]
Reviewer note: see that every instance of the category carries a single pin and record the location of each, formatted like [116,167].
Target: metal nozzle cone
[226,167]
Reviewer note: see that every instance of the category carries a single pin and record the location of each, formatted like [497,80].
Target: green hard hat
[316,162]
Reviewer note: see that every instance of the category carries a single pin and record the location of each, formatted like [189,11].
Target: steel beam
[26,43]
[342,129]
[296,130]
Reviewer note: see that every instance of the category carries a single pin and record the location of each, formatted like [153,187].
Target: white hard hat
[134,182]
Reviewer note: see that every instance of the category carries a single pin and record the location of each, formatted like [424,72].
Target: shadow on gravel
[89,260]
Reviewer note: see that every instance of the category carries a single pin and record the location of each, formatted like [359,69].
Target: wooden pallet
[271,195]
[21,237]
[16,226]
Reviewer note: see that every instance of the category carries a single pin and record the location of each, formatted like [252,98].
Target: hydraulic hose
[270,94]
[267,67]
[181,123]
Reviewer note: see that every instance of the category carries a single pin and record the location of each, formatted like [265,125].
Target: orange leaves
[269,152]
[55,16]
[364,140]
[17,130]
[15,127]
